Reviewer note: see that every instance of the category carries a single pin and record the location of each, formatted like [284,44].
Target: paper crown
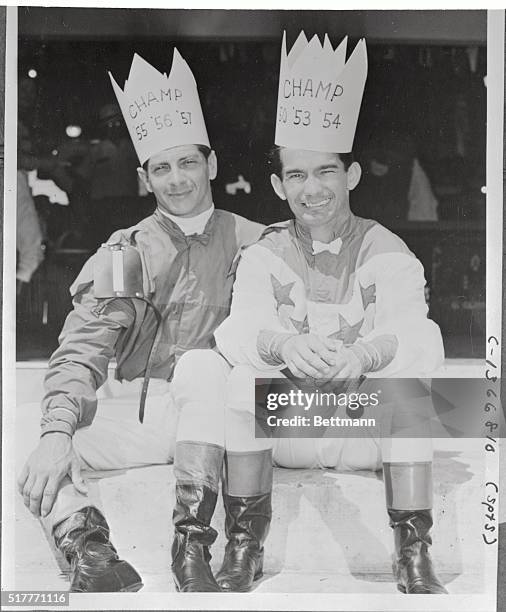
[161,112]
[319,95]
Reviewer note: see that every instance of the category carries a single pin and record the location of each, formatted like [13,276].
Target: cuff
[377,353]
[59,419]
[270,344]
[365,354]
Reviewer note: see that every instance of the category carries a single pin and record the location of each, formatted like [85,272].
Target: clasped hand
[320,357]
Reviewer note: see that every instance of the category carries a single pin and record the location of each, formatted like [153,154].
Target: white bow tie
[332,247]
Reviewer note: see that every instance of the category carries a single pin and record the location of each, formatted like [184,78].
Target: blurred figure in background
[29,235]
[113,183]
[29,156]
[29,247]
[394,185]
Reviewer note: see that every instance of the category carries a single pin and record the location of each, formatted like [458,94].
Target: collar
[190,225]
[340,237]
[178,237]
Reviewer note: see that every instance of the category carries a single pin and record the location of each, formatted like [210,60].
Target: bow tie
[332,247]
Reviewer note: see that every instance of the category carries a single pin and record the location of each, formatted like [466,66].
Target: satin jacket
[187,278]
[365,289]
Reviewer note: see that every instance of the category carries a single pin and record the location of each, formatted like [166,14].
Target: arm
[244,337]
[403,339]
[254,334]
[76,370]
[87,343]
[80,364]
[28,232]
[91,332]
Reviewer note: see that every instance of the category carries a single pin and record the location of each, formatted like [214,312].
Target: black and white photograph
[252,309]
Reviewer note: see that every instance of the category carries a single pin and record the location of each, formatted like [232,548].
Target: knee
[200,377]
[294,454]
[363,455]
[242,377]
[198,363]
[241,388]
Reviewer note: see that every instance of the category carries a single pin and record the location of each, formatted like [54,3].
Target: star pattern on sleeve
[368,295]
[347,333]
[302,327]
[282,292]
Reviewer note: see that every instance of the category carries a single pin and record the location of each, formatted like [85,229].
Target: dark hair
[276,167]
[206,151]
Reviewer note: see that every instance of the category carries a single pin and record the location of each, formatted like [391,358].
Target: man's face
[180,180]
[316,186]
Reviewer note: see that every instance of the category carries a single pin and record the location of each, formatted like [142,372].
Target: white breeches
[217,406]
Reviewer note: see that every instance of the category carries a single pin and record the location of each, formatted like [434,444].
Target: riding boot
[409,502]
[197,467]
[247,492]
[95,567]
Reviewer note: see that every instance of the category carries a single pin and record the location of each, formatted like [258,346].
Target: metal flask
[118,272]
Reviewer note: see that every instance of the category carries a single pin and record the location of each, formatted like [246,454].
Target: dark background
[422,99]
[477,29]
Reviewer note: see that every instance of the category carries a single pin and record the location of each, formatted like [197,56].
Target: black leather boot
[95,567]
[413,567]
[246,526]
[195,505]
[197,467]
[409,499]
[247,489]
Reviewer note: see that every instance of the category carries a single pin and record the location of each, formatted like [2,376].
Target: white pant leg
[117,440]
[382,443]
[386,441]
[199,390]
[407,450]
[342,453]
[395,447]
[339,453]
[240,423]
[346,454]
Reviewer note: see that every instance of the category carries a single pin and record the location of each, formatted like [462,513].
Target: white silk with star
[373,287]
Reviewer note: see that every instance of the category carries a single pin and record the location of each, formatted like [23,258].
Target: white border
[252,601]
[9,301]
[494,236]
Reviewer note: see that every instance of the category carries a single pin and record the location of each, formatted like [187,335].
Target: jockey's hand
[347,365]
[52,460]
[310,355]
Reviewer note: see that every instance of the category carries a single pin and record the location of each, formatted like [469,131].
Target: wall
[463,27]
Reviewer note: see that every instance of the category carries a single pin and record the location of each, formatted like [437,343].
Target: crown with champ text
[161,111]
[320,94]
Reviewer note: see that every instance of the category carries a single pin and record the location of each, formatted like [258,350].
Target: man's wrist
[270,345]
[378,352]
[364,355]
[276,346]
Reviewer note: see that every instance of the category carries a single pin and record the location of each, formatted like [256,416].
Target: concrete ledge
[327,527]
[329,531]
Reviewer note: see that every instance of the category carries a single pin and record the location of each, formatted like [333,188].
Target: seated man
[329,296]
[151,293]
